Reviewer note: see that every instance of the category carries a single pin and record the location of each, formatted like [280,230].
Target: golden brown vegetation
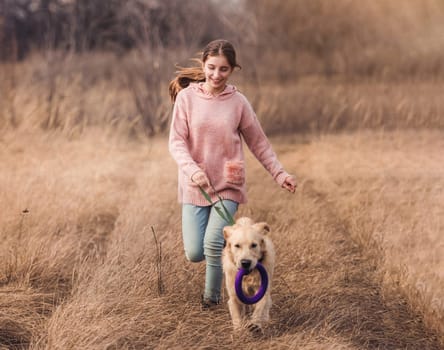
[79,257]
[353,103]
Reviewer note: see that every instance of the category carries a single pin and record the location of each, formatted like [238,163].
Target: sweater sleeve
[179,138]
[259,145]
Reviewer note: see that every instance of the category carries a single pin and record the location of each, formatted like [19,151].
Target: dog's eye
[253,245]
[236,246]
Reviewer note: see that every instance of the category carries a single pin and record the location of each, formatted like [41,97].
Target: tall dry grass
[120,95]
[79,259]
[319,106]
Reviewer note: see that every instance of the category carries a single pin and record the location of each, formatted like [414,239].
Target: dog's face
[245,242]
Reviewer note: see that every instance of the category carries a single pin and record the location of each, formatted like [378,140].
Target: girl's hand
[200,179]
[290,184]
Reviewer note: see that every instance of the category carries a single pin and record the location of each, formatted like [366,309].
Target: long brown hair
[187,75]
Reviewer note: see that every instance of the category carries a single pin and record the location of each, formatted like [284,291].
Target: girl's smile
[217,70]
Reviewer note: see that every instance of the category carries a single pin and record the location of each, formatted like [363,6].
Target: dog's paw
[255,328]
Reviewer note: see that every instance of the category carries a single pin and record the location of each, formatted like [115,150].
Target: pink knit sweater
[206,135]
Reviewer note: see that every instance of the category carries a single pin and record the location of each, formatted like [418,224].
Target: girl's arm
[259,145]
[178,140]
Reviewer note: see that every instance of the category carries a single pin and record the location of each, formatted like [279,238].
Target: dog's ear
[262,227]
[227,231]
[263,248]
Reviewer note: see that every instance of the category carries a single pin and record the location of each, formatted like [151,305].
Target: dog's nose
[246,263]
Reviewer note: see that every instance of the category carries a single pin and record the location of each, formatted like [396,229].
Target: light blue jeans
[203,239]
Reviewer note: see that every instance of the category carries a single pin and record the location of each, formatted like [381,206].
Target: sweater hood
[227,93]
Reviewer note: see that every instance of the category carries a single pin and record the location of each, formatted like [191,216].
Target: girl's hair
[187,75]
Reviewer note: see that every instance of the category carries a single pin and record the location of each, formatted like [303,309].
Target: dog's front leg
[237,312]
[261,313]
[237,309]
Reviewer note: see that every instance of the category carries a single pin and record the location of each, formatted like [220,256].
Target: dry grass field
[359,246]
[350,93]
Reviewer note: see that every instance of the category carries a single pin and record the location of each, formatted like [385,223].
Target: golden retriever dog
[246,244]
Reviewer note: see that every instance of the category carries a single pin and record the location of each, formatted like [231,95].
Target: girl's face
[217,71]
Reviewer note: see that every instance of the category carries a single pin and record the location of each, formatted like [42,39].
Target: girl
[209,118]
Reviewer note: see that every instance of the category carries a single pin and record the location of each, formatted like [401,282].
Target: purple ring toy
[261,291]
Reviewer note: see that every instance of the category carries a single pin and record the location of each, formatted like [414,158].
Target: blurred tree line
[85,25]
[295,37]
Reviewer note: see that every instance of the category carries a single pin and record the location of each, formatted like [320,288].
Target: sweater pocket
[234,172]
